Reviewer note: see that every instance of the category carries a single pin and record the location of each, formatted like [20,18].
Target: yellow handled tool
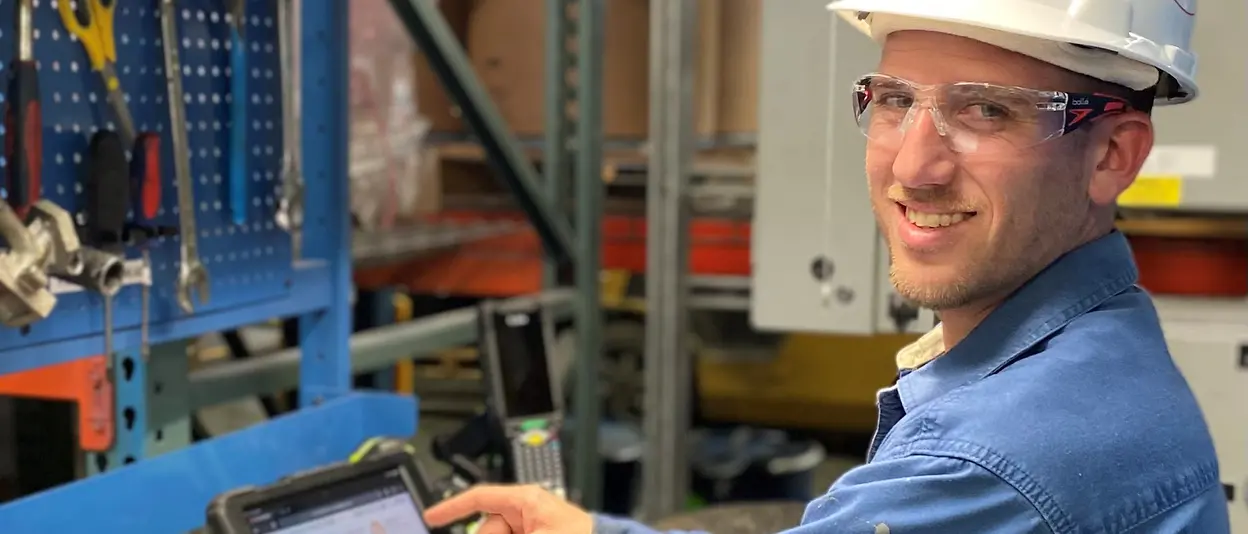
[92,24]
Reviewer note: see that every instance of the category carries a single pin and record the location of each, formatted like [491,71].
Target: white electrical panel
[804,224]
[1209,342]
[1198,162]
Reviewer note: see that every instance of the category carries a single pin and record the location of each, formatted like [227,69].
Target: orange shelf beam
[86,382]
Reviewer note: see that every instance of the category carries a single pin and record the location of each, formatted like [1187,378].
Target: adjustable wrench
[192,275]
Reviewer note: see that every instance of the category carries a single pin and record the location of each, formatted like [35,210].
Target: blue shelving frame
[169,494]
[253,275]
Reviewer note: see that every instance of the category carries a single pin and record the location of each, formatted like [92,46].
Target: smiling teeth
[934,220]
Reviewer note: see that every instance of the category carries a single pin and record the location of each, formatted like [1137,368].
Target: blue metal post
[129,374]
[375,308]
[169,411]
[325,369]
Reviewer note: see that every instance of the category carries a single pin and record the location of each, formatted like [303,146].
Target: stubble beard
[995,271]
[974,284]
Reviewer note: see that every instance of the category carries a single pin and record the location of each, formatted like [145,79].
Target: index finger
[506,501]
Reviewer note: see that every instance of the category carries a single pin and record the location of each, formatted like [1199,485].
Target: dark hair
[1141,100]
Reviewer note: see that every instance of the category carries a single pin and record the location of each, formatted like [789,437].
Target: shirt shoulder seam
[1192,484]
[1008,472]
[1122,518]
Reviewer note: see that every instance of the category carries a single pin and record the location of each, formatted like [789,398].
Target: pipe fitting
[102,272]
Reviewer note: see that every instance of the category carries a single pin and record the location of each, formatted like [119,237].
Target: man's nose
[924,160]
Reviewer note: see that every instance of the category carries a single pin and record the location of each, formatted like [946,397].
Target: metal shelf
[387,246]
[372,350]
[307,275]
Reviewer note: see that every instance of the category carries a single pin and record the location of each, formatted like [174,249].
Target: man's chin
[930,290]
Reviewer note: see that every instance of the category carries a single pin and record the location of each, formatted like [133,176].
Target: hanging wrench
[192,274]
[290,209]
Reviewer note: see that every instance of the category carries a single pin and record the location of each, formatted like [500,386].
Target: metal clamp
[47,246]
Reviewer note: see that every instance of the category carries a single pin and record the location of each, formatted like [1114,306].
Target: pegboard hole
[160,435]
[129,415]
[101,463]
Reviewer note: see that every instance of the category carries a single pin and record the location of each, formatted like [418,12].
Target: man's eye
[895,100]
[988,110]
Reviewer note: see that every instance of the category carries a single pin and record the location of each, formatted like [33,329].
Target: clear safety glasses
[975,118]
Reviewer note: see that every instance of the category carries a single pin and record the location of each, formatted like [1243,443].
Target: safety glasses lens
[971,117]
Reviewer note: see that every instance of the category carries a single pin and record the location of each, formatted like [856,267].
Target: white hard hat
[1150,40]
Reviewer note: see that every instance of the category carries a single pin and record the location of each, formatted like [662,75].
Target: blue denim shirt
[1062,412]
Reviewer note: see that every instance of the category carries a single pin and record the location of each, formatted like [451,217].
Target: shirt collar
[923,350]
[1074,284]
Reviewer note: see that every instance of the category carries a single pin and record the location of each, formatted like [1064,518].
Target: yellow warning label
[1153,191]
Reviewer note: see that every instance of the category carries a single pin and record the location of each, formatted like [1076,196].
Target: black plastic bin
[752,464]
[620,446]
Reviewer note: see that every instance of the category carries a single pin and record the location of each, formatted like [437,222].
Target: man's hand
[512,509]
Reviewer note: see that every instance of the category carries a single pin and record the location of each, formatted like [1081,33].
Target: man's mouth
[924,219]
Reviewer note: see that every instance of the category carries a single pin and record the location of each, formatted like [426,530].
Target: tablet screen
[375,503]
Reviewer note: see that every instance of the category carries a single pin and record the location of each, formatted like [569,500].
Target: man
[1046,401]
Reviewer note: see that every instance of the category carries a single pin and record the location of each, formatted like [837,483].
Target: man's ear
[1120,144]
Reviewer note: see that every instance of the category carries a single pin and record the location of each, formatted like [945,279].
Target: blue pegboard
[248,264]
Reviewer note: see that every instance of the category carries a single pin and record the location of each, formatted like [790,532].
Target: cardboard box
[505,40]
[507,43]
[739,41]
[708,69]
[432,102]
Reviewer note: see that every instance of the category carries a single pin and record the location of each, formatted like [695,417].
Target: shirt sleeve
[605,524]
[920,493]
